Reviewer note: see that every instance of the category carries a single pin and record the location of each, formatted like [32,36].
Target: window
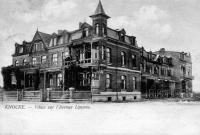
[59,79]
[55,58]
[51,80]
[34,61]
[149,69]
[123,82]
[24,62]
[134,83]
[21,49]
[13,79]
[155,70]
[183,70]
[103,53]
[16,63]
[108,81]
[122,37]
[65,55]
[182,56]
[162,71]
[55,41]
[123,58]
[44,59]
[85,32]
[60,40]
[104,29]
[97,29]
[169,72]
[108,55]
[51,43]
[85,79]
[134,60]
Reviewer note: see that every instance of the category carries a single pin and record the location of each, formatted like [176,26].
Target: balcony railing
[81,62]
[40,65]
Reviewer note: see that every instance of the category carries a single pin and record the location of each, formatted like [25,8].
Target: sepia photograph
[99,67]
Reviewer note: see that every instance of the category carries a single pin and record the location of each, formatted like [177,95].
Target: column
[24,79]
[91,51]
[63,76]
[44,88]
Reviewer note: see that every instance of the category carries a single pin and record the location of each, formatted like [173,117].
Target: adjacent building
[100,63]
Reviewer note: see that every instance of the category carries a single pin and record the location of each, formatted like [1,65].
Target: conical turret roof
[99,10]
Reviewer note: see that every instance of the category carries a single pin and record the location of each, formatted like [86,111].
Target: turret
[99,20]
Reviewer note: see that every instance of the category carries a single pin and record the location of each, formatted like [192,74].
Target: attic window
[85,32]
[21,49]
[122,37]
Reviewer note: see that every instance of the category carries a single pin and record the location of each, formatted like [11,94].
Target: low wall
[116,96]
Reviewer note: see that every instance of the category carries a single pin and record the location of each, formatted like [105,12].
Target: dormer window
[51,43]
[122,37]
[85,32]
[55,41]
[97,29]
[60,40]
[21,49]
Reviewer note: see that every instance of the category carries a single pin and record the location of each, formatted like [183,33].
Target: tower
[99,20]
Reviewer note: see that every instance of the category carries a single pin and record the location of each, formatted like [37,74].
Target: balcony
[84,62]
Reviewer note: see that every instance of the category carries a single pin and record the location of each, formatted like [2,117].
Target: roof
[45,37]
[100,11]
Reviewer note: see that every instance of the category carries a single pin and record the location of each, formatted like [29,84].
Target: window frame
[55,59]
[123,82]
[42,59]
[108,81]
[34,61]
[108,55]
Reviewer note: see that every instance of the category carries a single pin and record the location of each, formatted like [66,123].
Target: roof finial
[37,28]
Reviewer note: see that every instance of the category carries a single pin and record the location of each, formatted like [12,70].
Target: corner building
[100,63]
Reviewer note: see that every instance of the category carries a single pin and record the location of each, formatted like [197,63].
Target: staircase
[33,96]
[10,95]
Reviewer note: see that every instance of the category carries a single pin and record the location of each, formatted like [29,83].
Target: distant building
[182,70]
[101,63]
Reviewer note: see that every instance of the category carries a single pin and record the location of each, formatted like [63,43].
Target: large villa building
[98,63]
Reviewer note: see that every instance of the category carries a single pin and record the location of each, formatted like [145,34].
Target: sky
[170,24]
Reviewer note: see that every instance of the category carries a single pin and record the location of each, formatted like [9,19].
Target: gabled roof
[84,25]
[46,38]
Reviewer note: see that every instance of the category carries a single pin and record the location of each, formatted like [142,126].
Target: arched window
[24,62]
[108,81]
[123,58]
[16,63]
[134,83]
[108,55]
[97,29]
[123,82]
[134,60]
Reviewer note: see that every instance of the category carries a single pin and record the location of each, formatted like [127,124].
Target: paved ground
[139,118]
